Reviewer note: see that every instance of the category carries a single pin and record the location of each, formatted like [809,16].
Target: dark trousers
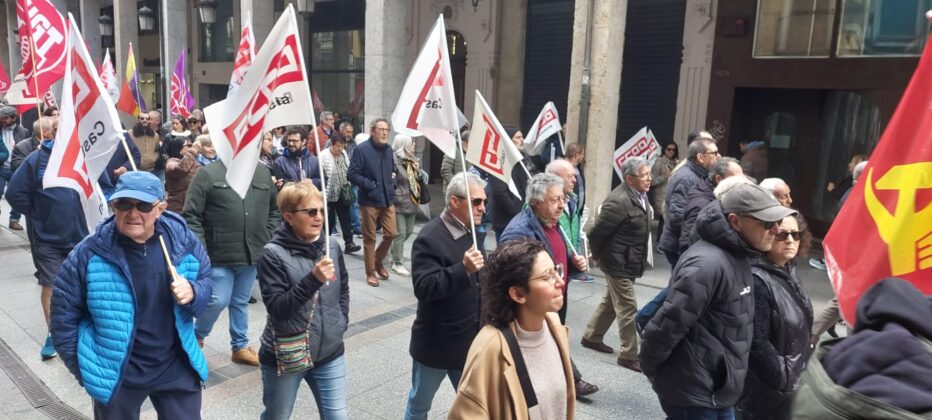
[562,314]
[337,209]
[678,412]
[177,399]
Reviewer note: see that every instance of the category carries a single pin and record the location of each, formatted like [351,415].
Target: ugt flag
[108,77]
[181,100]
[427,105]
[643,144]
[274,93]
[131,101]
[884,228]
[42,41]
[244,56]
[4,80]
[546,125]
[89,131]
[489,147]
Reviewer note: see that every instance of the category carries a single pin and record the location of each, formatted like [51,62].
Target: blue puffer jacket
[93,305]
[526,224]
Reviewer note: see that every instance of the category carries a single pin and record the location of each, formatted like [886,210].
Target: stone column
[125,31]
[174,33]
[90,27]
[386,65]
[509,85]
[262,18]
[607,39]
[693,94]
[8,45]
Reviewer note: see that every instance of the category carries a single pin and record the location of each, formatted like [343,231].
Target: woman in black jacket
[306,295]
[782,322]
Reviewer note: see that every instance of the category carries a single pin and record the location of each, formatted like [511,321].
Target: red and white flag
[274,93]
[108,77]
[4,80]
[546,125]
[244,56]
[89,131]
[42,40]
[49,100]
[643,144]
[489,147]
[427,105]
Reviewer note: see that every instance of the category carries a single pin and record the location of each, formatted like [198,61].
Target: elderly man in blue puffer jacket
[123,319]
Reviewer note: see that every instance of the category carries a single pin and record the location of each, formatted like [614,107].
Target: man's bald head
[565,170]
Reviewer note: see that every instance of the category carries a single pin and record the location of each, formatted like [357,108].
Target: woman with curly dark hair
[522,350]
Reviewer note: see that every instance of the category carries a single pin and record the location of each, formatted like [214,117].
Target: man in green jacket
[233,230]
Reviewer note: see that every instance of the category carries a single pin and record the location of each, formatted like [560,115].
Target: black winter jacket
[287,282]
[700,196]
[678,188]
[447,298]
[372,170]
[781,344]
[618,237]
[504,204]
[695,349]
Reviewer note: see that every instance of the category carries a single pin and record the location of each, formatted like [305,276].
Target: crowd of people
[731,335]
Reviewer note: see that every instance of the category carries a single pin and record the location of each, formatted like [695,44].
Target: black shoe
[629,364]
[585,389]
[351,248]
[600,347]
[252,300]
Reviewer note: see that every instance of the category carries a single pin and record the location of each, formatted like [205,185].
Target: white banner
[244,56]
[489,147]
[274,93]
[643,144]
[546,125]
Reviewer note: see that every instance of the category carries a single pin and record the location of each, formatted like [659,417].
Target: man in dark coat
[703,194]
[11,134]
[444,267]
[619,241]
[695,349]
[701,154]
[372,170]
[296,163]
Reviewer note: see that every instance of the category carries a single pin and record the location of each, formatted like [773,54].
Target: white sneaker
[400,270]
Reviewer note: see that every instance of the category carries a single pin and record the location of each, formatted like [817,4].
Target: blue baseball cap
[139,185]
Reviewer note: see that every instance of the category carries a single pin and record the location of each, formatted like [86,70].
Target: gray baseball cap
[755,201]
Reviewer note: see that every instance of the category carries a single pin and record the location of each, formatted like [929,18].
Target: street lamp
[106,25]
[208,11]
[146,19]
[305,6]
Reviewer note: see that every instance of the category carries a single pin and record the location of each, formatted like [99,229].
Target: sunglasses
[782,236]
[767,225]
[312,212]
[476,201]
[127,205]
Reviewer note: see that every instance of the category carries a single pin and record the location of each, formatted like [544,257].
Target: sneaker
[351,248]
[48,350]
[817,263]
[583,278]
[14,225]
[246,356]
[400,270]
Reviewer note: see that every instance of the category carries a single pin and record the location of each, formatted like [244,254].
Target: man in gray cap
[695,349]
[10,134]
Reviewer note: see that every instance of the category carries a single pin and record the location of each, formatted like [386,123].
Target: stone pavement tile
[390,398]
[399,341]
[373,366]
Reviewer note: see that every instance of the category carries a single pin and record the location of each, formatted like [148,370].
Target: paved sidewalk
[377,360]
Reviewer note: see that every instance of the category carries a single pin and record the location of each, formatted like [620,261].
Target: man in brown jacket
[146,137]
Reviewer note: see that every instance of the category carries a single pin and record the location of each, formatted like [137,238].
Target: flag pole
[323,190]
[35,81]
[129,155]
[472,222]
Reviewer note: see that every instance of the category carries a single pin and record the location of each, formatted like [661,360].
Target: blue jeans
[678,412]
[232,288]
[355,216]
[6,173]
[425,381]
[327,382]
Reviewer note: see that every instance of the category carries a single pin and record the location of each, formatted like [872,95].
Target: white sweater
[545,367]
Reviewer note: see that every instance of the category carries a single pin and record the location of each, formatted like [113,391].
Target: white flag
[427,105]
[244,56]
[108,78]
[274,93]
[546,125]
[89,130]
[490,148]
[643,144]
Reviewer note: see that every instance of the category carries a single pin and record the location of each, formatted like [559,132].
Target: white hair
[856,172]
[539,184]
[457,185]
[771,184]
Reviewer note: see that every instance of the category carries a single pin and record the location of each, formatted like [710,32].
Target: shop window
[338,73]
[217,39]
[794,28]
[883,27]
[780,130]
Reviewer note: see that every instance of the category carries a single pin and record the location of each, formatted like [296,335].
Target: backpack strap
[529,396]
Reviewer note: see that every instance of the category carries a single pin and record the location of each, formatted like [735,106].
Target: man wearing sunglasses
[123,319]
[695,349]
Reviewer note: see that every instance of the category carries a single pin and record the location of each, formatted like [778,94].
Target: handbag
[293,351]
[347,194]
[424,196]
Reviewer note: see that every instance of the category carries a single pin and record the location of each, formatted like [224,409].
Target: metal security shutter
[651,68]
[548,46]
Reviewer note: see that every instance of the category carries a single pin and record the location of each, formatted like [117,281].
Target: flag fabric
[131,101]
[4,80]
[274,93]
[244,55]
[42,32]
[89,131]
[182,102]
[427,105]
[642,144]
[49,100]
[490,148]
[108,77]
[546,125]
[884,228]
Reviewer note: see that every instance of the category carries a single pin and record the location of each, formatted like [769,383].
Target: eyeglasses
[127,205]
[782,236]
[312,212]
[476,201]
[551,276]
[715,153]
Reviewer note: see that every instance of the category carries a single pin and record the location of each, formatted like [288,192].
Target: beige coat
[490,389]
